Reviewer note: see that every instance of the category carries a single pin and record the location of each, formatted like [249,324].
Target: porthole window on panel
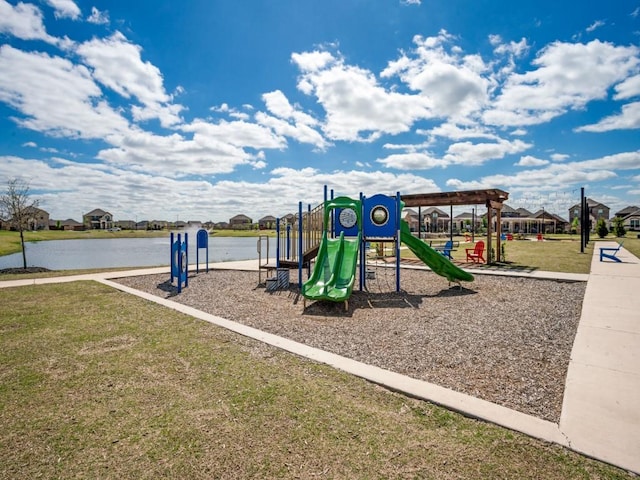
[379,215]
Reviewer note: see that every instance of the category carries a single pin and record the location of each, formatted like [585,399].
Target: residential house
[179,224]
[289,219]
[631,217]
[158,225]
[267,223]
[38,219]
[411,217]
[523,221]
[221,225]
[70,224]
[126,224]
[435,220]
[240,222]
[97,220]
[464,221]
[597,211]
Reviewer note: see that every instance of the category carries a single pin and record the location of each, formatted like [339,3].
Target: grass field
[100,384]
[558,253]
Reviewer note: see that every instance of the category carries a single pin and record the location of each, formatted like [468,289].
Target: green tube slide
[335,269]
[434,260]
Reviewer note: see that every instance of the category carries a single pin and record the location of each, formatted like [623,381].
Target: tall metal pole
[582,216]
[398,235]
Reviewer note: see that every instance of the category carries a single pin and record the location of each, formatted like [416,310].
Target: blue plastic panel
[380,217]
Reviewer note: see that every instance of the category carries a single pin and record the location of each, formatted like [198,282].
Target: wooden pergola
[491,198]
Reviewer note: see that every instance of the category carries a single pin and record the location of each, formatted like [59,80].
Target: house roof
[268,218]
[464,215]
[635,213]
[590,203]
[627,211]
[523,212]
[70,222]
[96,213]
[240,217]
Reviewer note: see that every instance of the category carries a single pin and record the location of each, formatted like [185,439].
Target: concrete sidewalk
[601,407]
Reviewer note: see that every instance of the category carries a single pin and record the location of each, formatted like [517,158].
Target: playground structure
[180,256]
[337,233]
[180,260]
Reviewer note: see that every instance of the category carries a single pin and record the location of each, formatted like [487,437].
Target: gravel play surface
[503,339]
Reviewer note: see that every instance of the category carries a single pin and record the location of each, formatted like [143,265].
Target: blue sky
[203,109]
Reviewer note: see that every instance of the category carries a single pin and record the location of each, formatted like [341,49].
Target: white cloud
[55,96]
[567,77]
[628,88]
[467,153]
[455,132]
[24,21]
[451,85]
[529,161]
[558,175]
[312,61]
[97,17]
[412,161]
[65,9]
[289,121]
[595,25]
[173,155]
[559,157]
[628,119]
[117,64]
[357,107]
[555,176]
[237,133]
[128,194]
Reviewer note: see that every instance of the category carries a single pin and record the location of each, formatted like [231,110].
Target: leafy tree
[18,209]
[575,224]
[601,228]
[618,227]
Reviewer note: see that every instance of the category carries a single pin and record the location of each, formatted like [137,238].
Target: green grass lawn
[100,384]
[558,253]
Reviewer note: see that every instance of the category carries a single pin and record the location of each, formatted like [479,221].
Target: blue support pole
[277,243]
[171,256]
[186,258]
[179,272]
[288,242]
[300,245]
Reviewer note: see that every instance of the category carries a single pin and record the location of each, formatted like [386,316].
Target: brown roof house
[241,222]
[631,217]
[267,223]
[37,219]
[97,220]
[597,211]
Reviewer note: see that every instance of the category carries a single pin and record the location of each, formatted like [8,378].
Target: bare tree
[18,209]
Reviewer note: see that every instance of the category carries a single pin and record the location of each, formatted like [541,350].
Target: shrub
[601,228]
[618,227]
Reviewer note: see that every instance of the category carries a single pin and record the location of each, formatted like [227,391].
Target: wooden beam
[470,197]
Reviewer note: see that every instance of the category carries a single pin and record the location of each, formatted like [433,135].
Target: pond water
[128,252]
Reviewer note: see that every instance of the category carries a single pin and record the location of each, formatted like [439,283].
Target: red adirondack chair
[476,254]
